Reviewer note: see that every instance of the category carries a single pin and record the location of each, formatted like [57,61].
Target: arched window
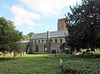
[42,41]
[55,40]
[45,48]
[35,41]
[46,41]
[31,41]
[36,48]
[50,40]
[38,41]
[60,40]
[62,25]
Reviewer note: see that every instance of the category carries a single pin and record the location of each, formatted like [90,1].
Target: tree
[30,34]
[84,31]
[14,43]
[9,36]
[16,48]
[25,37]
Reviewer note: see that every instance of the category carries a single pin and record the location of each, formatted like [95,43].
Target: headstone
[61,62]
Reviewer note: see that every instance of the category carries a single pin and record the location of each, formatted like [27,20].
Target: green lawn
[41,63]
[31,64]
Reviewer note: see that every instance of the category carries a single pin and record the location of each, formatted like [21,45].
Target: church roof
[52,34]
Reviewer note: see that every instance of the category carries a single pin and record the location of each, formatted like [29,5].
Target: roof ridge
[52,34]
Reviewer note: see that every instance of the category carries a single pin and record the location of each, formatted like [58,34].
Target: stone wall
[53,45]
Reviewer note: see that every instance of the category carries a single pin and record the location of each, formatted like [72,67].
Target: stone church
[48,42]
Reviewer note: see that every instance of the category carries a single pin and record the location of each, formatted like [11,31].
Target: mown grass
[43,63]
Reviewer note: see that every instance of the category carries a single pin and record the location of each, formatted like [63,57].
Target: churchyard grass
[30,64]
[44,63]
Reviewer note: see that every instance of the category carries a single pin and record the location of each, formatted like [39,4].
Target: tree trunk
[74,52]
[22,54]
[15,54]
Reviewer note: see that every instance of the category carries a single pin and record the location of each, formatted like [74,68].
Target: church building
[49,42]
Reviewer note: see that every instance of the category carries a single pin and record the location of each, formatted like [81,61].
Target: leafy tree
[30,34]
[25,37]
[9,37]
[84,30]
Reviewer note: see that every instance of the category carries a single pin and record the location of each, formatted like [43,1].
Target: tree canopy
[9,36]
[28,36]
[31,34]
[84,26]
[25,37]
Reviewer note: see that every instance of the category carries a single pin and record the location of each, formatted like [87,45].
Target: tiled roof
[52,34]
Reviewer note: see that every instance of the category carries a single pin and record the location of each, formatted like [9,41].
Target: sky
[35,15]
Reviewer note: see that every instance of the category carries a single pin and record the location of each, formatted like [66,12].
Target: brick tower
[61,24]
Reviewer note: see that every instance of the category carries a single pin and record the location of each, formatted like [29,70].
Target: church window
[45,48]
[31,41]
[38,41]
[35,41]
[36,48]
[42,41]
[51,41]
[62,25]
[60,40]
[55,40]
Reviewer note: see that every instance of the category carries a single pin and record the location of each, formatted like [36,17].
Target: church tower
[62,24]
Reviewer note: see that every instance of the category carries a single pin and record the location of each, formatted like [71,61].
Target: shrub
[80,67]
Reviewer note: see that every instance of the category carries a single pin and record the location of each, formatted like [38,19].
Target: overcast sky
[35,15]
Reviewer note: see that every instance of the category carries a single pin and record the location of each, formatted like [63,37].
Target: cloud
[30,28]
[48,6]
[22,16]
